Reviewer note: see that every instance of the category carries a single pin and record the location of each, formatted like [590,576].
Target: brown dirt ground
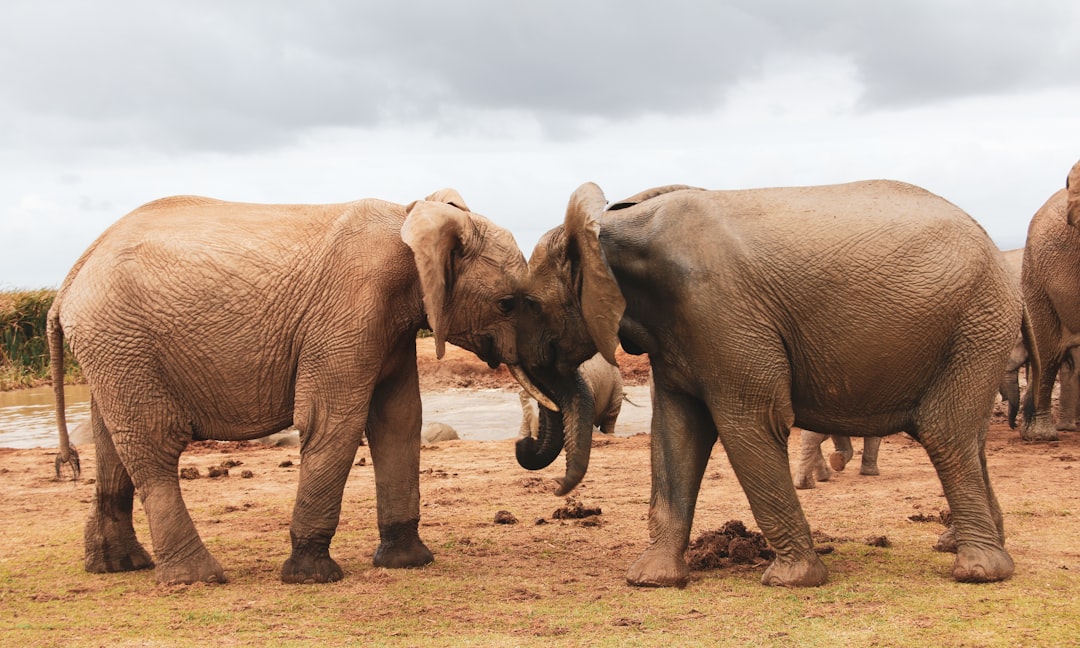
[465,484]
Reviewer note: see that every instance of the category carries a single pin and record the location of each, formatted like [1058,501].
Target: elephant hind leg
[811,464]
[868,465]
[109,537]
[952,425]
[153,456]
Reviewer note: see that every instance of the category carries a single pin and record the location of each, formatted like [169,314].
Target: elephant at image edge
[1050,280]
[725,292]
[606,385]
[812,465]
[194,318]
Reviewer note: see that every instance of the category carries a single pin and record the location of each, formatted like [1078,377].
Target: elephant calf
[606,385]
[196,318]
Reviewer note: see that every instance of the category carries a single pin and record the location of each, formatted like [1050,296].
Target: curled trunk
[572,430]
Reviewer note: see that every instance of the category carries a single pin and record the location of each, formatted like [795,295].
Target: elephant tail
[55,334]
[1034,366]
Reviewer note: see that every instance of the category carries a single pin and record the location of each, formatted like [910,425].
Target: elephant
[606,386]
[866,308]
[196,318]
[812,465]
[1009,388]
[1050,280]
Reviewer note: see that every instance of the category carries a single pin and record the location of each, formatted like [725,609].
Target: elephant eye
[506,305]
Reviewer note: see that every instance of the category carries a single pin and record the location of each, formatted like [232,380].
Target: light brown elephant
[1051,287]
[860,309]
[606,385]
[812,466]
[1018,357]
[194,318]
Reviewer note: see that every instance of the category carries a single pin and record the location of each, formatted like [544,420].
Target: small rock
[247,474]
[285,464]
[189,473]
[436,432]
[362,461]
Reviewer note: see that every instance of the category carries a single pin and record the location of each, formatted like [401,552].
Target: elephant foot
[809,572]
[981,564]
[1041,430]
[1066,426]
[109,558]
[310,562]
[837,461]
[204,569]
[400,546]
[869,470]
[658,568]
[804,482]
[110,547]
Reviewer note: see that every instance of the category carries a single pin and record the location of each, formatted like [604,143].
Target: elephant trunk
[573,429]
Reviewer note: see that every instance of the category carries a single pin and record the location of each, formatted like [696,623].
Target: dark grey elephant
[196,318]
[1050,279]
[812,466]
[861,309]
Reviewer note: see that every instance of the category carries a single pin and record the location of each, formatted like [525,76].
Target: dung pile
[731,544]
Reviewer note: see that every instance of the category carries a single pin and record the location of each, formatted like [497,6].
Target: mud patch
[732,544]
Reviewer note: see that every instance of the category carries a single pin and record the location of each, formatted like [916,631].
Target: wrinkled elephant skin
[862,309]
[1050,279]
[195,318]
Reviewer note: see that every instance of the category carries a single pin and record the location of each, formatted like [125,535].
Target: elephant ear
[602,303]
[435,229]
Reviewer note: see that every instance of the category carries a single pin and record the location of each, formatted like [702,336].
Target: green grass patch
[24,348]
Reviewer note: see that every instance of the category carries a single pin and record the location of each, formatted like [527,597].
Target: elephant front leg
[393,431]
[326,458]
[683,434]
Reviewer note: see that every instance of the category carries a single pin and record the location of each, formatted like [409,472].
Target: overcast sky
[107,105]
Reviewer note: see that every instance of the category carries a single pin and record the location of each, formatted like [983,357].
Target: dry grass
[558,583]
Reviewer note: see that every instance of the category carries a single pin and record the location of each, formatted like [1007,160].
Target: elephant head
[571,308]
[1072,190]
[469,270]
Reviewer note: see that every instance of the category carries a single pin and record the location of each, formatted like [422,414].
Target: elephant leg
[154,457]
[607,424]
[394,429]
[811,463]
[1038,420]
[870,448]
[757,450]
[109,536]
[1069,378]
[952,425]
[839,459]
[683,434]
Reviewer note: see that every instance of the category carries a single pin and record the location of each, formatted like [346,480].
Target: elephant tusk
[519,374]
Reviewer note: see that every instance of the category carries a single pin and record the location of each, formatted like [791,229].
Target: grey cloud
[226,76]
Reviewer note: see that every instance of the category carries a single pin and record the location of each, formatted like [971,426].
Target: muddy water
[27,418]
